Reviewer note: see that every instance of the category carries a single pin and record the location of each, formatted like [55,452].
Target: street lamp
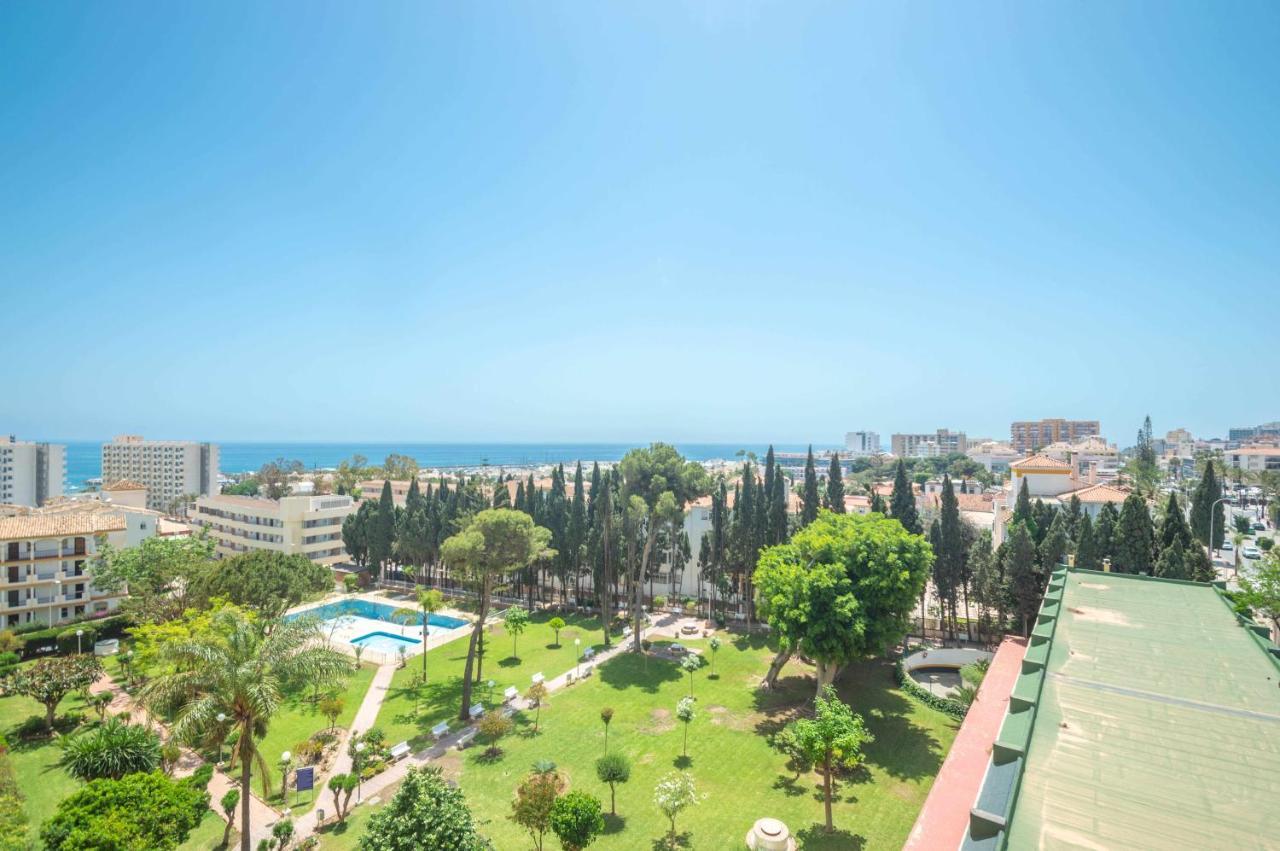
[577,642]
[285,759]
[1211,512]
[360,746]
[490,684]
[222,734]
[79,632]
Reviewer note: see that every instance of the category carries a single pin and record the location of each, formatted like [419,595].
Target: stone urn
[769,834]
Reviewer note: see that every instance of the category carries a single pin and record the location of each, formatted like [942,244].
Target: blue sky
[631,221]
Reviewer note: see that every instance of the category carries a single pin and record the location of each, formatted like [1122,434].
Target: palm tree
[240,668]
[430,601]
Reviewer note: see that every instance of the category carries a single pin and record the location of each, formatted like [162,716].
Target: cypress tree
[1073,517]
[950,552]
[778,508]
[1053,549]
[382,538]
[1207,493]
[835,485]
[1022,572]
[877,501]
[1173,527]
[1135,538]
[1172,563]
[413,499]
[903,501]
[1043,515]
[809,509]
[1086,546]
[1022,509]
[1104,531]
[520,498]
[501,495]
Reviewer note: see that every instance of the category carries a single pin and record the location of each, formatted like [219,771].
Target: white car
[1250,551]
[1227,545]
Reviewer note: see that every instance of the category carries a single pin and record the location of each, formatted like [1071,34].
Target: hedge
[62,638]
[954,708]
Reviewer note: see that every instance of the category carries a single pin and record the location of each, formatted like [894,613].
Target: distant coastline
[84,458]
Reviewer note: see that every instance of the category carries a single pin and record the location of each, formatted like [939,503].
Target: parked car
[1250,551]
[1259,526]
[1227,545]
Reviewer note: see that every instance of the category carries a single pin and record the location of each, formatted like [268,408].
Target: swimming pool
[385,641]
[361,608]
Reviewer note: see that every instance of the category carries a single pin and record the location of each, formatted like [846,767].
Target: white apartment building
[1255,459]
[304,525]
[31,474]
[45,556]
[168,469]
[941,442]
[862,443]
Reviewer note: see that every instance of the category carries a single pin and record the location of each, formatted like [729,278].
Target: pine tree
[903,501]
[835,485]
[1087,557]
[1135,538]
[809,509]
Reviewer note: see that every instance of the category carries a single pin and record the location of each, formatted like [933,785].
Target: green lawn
[442,697]
[741,775]
[298,721]
[208,835]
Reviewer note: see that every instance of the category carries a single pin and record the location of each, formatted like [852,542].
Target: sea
[84,458]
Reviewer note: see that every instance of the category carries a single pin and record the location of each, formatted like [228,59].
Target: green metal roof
[1157,725]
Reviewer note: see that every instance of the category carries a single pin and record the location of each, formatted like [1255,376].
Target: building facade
[1028,436]
[31,473]
[45,556]
[296,525]
[1255,459]
[862,443]
[941,442]
[1244,434]
[169,469]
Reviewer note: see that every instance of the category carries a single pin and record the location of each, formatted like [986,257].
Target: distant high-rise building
[1027,436]
[168,469]
[31,474]
[1247,433]
[295,525]
[860,443]
[941,442]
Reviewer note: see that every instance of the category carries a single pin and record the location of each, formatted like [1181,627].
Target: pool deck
[354,626]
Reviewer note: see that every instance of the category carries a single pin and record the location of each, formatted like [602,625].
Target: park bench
[677,648]
[589,653]
[510,694]
[626,632]
[586,671]
[508,711]
[399,751]
[568,678]
[476,711]
[465,739]
[440,730]
[537,678]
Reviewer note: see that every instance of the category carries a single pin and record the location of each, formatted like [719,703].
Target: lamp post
[577,642]
[1211,511]
[285,759]
[358,764]
[490,684]
[79,632]
[222,734]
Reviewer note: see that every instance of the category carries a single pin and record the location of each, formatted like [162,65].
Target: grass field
[737,770]
[441,698]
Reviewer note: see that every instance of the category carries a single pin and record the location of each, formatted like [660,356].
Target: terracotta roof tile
[58,525]
[1040,462]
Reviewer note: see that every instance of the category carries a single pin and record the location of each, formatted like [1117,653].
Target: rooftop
[59,525]
[1039,462]
[1147,716]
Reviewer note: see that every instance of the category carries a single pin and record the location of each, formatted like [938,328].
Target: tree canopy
[264,581]
[137,811]
[426,812]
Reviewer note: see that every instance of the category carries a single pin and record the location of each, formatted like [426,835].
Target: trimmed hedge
[62,638]
[946,705]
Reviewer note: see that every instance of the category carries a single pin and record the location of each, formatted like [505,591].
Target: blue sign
[304,778]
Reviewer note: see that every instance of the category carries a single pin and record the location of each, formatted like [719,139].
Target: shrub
[424,813]
[137,811]
[1265,544]
[111,750]
[492,727]
[659,602]
[946,705]
[13,820]
[576,820]
[613,769]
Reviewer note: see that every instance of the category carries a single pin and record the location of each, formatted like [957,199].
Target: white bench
[476,711]
[586,671]
[677,648]
[568,678]
[626,632]
[589,653]
[399,751]
[465,739]
[510,694]
[440,730]
[537,678]
[508,711]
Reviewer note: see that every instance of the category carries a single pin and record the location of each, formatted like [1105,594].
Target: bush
[137,811]
[659,602]
[1265,544]
[576,820]
[13,821]
[111,750]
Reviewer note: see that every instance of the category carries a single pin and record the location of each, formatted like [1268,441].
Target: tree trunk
[50,710]
[826,788]
[613,800]
[245,746]
[606,583]
[640,571]
[775,668]
[826,674]
[476,636]
[968,622]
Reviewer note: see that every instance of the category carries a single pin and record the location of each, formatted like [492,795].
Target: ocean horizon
[84,458]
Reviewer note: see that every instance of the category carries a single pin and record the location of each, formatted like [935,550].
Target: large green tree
[425,812]
[495,543]
[1135,538]
[809,497]
[842,589]
[902,502]
[1087,557]
[240,668]
[158,574]
[949,569]
[834,498]
[382,534]
[832,739]
[664,483]
[47,681]
[1026,580]
[265,581]
[138,811]
[1207,510]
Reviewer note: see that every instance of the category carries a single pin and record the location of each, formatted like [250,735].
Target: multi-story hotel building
[31,474]
[862,443]
[44,558]
[168,469]
[941,442]
[302,525]
[1028,436]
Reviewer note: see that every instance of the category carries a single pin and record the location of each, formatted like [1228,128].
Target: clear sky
[632,221]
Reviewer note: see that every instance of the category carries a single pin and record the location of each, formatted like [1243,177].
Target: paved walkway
[306,824]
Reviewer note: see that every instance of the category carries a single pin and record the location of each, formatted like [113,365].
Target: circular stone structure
[940,666]
[769,834]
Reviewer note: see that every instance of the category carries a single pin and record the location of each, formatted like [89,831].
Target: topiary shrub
[111,750]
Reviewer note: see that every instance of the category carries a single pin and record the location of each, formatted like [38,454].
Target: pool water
[385,641]
[370,610]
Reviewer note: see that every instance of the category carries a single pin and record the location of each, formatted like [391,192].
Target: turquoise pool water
[385,641]
[374,611]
